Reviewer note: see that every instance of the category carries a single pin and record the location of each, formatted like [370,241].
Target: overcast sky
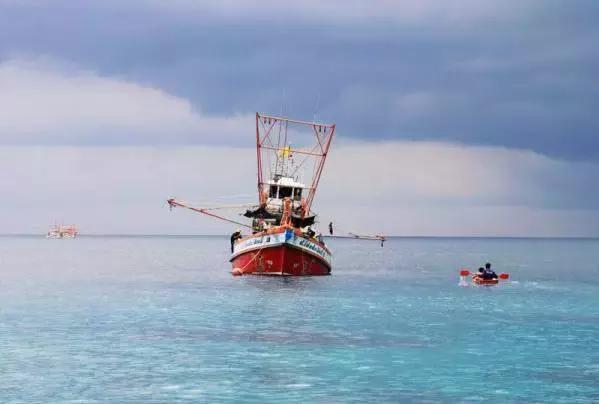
[454,117]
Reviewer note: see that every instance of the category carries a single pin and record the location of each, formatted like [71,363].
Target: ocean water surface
[160,319]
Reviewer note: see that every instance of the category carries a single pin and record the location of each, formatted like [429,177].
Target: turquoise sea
[161,320]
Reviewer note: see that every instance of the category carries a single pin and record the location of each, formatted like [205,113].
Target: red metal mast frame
[323,133]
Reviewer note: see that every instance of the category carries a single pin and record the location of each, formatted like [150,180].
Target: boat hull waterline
[283,254]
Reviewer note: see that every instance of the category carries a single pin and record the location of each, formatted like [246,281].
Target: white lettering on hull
[272,240]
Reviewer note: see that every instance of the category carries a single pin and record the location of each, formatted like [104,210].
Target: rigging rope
[173,203]
[241,270]
[343,233]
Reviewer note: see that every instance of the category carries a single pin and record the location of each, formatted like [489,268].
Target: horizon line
[324,235]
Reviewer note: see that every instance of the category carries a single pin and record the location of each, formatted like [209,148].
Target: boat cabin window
[273,191]
[284,192]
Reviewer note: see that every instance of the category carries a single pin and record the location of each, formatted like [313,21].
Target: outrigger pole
[358,237]
[375,237]
[174,203]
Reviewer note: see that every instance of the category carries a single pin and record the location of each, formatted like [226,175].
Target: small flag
[285,151]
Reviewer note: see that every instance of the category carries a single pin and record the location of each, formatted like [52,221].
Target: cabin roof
[287,182]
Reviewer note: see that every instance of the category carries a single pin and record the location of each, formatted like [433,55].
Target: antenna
[316,108]
[284,102]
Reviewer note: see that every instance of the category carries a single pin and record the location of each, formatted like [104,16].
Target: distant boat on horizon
[62,231]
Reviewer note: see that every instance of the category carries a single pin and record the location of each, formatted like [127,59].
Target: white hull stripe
[275,240]
[306,251]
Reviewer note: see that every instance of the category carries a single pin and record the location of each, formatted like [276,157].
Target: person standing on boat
[331,228]
[234,237]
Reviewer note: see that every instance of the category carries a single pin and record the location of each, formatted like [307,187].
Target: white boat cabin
[284,187]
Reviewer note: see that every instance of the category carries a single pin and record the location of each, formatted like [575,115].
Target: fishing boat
[281,239]
[62,231]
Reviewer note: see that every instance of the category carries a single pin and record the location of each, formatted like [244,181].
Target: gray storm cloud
[42,102]
[516,74]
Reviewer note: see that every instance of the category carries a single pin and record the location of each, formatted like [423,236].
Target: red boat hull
[292,257]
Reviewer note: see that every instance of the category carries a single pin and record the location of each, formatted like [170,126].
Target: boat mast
[261,200]
[324,142]
[314,153]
